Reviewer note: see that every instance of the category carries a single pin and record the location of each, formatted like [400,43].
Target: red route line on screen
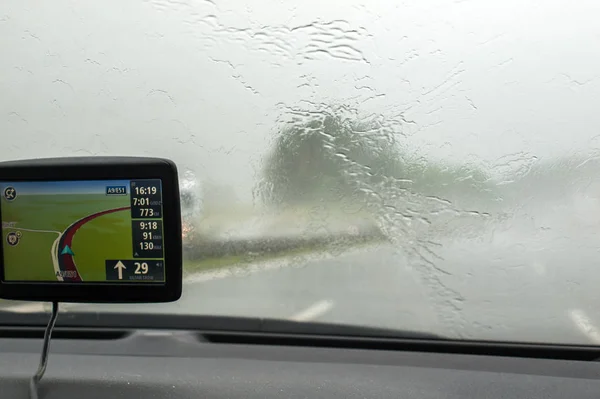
[66,262]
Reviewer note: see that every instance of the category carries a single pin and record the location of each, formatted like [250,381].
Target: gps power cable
[33,383]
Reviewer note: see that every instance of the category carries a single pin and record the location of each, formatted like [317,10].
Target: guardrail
[204,247]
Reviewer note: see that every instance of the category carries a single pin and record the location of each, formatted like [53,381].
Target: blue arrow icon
[67,251]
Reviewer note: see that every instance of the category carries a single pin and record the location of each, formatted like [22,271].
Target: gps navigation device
[90,229]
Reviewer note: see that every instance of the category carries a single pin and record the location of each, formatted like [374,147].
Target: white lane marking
[584,324]
[313,311]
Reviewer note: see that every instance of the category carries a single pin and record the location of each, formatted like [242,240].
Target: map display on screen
[82,231]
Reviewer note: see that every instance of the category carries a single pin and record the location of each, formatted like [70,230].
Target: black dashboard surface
[166,364]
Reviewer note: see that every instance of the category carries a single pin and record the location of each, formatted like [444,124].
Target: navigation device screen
[83,231]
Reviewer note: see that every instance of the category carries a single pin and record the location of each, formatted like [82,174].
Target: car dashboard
[144,363]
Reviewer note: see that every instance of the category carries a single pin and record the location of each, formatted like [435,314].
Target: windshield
[429,166]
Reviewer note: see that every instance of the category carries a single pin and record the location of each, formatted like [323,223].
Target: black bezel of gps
[104,168]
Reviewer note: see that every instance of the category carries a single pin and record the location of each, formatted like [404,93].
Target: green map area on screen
[64,231]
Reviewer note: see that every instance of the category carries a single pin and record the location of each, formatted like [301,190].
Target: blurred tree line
[554,178]
[329,156]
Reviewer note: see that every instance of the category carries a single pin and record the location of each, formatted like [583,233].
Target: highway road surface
[493,288]
[537,283]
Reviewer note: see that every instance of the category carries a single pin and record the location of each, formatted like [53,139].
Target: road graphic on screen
[62,259]
[64,231]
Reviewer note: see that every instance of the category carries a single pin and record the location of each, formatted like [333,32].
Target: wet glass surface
[427,165]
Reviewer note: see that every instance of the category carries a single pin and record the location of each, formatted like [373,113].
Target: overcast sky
[209,83]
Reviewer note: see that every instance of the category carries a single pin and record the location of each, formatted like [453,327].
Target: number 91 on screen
[147,238]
